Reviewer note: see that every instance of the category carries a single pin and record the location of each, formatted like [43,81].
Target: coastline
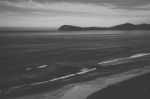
[84,89]
[106,70]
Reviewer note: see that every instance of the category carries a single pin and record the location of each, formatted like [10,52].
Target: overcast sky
[53,13]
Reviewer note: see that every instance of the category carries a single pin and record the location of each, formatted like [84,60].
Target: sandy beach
[84,89]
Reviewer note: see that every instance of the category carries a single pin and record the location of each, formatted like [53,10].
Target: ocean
[31,57]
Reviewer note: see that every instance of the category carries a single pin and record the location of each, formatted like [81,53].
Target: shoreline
[83,71]
[107,69]
[84,89]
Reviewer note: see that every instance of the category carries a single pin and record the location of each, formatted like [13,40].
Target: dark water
[22,50]
[19,51]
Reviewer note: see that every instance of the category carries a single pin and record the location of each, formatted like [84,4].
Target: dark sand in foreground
[136,88]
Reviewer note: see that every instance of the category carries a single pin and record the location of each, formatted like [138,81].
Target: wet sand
[83,89]
[135,88]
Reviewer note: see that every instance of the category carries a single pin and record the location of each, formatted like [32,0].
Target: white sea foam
[85,70]
[139,55]
[28,69]
[39,67]
[67,76]
[115,61]
[40,83]
[43,66]
[63,77]
[124,59]
[110,61]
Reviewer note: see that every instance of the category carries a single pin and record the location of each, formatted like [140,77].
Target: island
[126,26]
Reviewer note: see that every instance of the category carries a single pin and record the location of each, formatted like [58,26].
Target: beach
[84,89]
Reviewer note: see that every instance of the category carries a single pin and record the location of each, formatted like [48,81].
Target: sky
[85,13]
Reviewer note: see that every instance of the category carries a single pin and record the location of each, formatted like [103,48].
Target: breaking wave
[81,72]
[38,67]
[123,60]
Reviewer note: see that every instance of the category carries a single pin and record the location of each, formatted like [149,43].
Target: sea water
[36,54]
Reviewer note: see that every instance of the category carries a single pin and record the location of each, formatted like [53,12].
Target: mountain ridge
[126,26]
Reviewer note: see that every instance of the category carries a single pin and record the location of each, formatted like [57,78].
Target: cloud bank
[53,13]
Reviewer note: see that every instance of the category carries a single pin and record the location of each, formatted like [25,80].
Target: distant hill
[127,26]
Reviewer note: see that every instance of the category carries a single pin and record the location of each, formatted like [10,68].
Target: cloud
[77,6]
[58,12]
[64,8]
[61,6]
[144,7]
[120,4]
